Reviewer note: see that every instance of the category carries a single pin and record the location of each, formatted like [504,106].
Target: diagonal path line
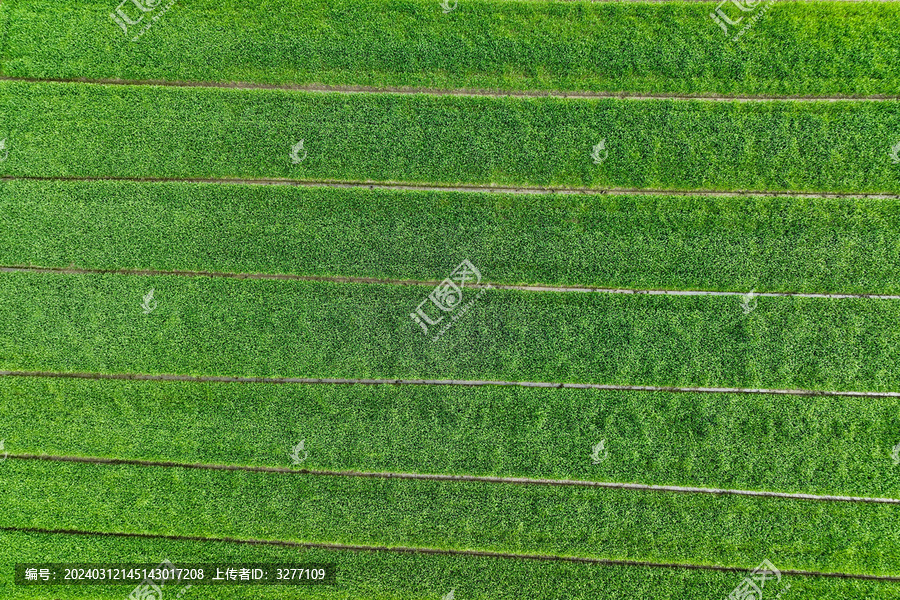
[459,382]
[422,187]
[440,551]
[469,92]
[376,280]
[97,460]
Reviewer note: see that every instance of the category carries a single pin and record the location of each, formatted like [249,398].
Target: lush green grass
[848,537]
[783,244]
[292,328]
[389,576]
[794,48]
[89,130]
[714,440]
[271,328]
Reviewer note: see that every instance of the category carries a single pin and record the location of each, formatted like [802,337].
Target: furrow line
[399,186]
[364,89]
[459,382]
[375,280]
[97,460]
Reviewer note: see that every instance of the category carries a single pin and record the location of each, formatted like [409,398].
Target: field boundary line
[417,282]
[496,189]
[465,92]
[458,382]
[440,551]
[98,460]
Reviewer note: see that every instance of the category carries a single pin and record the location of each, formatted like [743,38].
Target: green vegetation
[293,328]
[673,47]
[91,130]
[767,244]
[711,440]
[65,323]
[731,530]
[388,576]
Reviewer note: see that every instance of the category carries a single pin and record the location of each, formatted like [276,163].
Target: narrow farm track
[480,286]
[363,89]
[441,551]
[459,478]
[459,382]
[373,185]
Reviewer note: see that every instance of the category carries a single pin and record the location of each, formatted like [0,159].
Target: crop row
[790,47]
[618,524]
[780,443]
[384,575]
[646,242]
[291,328]
[127,131]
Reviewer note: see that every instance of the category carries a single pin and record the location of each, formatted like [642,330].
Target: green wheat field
[466,299]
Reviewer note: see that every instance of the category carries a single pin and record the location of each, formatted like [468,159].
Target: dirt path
[459,382]
[363,89]
[459,478]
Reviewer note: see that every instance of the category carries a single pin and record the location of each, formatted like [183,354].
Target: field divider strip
[440,551]
[406,90]
[98,460]
[401,186]
[416,282]
[459,382]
